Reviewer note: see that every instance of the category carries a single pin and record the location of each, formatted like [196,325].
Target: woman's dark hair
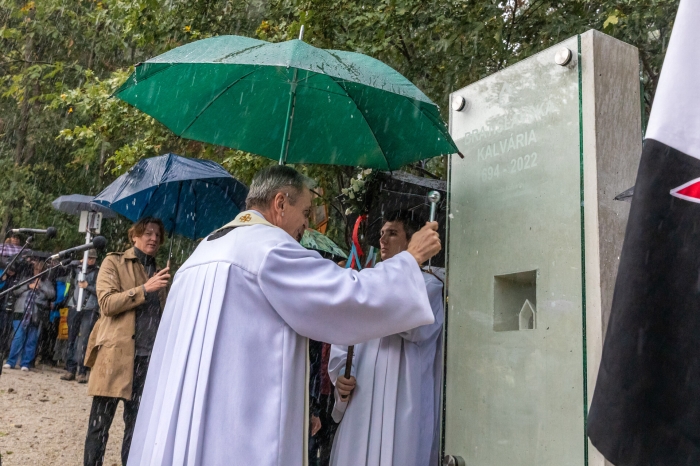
[139,228]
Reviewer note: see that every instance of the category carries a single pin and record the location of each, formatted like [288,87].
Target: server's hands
[425,243]
[345,387]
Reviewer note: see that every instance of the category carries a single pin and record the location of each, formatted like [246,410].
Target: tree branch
[415,166]
[510,32]
[7,60]
[404,49]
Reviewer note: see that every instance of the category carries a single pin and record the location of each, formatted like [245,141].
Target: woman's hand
[157,281]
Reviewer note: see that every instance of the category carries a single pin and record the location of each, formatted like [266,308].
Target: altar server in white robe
[391,415]
[227,376]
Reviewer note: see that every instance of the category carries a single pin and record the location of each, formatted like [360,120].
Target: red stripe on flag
[690,191]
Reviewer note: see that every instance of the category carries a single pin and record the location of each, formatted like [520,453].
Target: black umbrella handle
[348,367]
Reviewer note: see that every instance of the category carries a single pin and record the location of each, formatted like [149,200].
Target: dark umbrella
[192,197]
[75,203]
[402,191]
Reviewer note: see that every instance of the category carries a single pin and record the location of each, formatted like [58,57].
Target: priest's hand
[157,281]
[345,387]
[425,243]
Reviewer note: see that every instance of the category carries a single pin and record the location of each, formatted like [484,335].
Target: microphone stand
[40,274]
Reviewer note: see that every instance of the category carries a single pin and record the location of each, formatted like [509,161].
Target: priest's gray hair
[275,179]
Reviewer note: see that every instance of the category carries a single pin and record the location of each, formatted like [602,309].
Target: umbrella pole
[177,212]
[79,305]
[348,366]
[288,121]
[170,251]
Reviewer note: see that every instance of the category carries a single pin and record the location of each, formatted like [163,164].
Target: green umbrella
[291,102]
[312,239]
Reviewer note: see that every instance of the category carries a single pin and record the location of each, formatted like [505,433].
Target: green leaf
[612,19]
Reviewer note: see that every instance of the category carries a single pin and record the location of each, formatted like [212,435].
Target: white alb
[226,381]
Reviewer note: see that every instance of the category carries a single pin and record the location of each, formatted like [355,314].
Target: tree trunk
[23,126]
[103,158]
[24,108]
[91,57]
[6,221]
[30,144]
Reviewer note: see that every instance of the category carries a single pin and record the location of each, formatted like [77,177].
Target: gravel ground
[43,420]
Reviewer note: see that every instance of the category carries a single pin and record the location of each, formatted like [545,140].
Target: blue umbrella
[192,197]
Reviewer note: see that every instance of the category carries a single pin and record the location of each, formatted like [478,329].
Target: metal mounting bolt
[563,56]
[450,460]
[459,103]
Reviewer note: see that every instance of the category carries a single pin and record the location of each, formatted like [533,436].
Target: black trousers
[80,325]
[48,332]
[102,414]
[5,332]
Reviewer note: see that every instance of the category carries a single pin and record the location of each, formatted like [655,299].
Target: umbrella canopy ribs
[291,102]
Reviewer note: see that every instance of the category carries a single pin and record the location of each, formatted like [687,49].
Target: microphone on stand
[98,242]
[50,232]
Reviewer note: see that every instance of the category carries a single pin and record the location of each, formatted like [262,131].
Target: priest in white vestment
[227,378]
[391,415]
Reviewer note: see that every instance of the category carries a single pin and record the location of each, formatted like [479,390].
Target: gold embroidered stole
[245,219]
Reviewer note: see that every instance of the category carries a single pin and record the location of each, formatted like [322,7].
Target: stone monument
[534,239]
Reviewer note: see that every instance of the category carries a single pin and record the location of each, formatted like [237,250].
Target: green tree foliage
[60,60]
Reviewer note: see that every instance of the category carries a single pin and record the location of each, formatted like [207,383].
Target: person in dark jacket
[9,277]
[33,300]
[80,324]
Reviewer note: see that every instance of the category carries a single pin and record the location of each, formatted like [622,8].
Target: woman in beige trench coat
[131,294]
